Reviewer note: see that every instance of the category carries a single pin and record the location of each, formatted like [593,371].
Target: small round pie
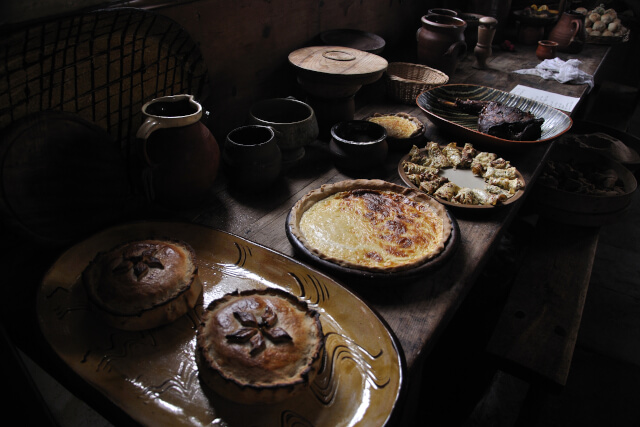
[371,225]
[259,346]
[143,284]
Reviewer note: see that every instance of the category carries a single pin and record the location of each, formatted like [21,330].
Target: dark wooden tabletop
[418,311]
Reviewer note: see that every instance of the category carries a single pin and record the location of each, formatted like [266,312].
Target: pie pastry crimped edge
[243,388]
[181,296]
[328,190]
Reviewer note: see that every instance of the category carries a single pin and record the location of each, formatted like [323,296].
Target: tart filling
[371,225]
[143,284]
[259,346]
[399,125]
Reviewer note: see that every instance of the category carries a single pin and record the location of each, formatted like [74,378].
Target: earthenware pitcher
[569,32]
[182,157]
[441,42]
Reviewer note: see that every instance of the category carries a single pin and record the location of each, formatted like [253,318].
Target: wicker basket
[405,81]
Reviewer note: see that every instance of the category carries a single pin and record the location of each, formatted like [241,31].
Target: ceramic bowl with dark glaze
[465,126]
[358,144]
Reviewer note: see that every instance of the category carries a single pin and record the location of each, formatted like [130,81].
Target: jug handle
[462,46]
[577,25]
[149,126]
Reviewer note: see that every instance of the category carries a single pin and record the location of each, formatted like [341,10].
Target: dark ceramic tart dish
[357,274]
[465,126]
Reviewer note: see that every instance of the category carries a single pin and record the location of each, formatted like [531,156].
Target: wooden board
[537,331]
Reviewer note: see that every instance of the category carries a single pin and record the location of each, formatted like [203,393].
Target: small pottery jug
[181,155]
[546,49]
[441,42]
[252,158]
[486,31]
[569,32]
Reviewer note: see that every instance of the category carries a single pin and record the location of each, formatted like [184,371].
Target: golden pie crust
[399,125]
[143,284]
[259,346]
[371,225]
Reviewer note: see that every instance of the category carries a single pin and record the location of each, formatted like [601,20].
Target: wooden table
[416,312]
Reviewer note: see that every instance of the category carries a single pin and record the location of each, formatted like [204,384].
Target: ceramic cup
[294,122]
[546,49]
[358,145]
[252,157]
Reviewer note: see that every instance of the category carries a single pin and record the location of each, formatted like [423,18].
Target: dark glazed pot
[569,32]
[181,155]
[358,145]
[441,42]
[252,157]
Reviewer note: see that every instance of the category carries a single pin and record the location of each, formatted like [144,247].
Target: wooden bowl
[580,208]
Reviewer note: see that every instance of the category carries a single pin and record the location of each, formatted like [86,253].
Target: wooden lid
[339,62]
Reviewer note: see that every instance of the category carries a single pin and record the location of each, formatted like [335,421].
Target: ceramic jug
[569,32]
[441,42]
[180,154]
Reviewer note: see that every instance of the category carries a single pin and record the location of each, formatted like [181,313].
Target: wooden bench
[536,333]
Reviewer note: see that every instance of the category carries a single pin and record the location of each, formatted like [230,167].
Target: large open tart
[259,346]
[143,284]
[371,225]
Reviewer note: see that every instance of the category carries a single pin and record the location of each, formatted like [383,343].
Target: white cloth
[564,72]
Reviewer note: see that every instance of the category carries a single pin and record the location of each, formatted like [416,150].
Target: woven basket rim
[430,70]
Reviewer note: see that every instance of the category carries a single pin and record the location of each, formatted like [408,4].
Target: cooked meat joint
[502,121]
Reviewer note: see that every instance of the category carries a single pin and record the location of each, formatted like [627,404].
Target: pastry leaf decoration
[139,263]
[254,330]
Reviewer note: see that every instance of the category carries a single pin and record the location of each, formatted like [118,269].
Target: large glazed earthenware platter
[355,275]
[153,375]
[465,126]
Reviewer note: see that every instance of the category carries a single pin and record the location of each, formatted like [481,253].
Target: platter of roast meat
[492,118]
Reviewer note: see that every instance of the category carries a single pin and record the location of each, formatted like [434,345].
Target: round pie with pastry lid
[259,346]
[143,284]
[371,225]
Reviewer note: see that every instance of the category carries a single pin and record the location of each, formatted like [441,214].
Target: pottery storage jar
[441,42]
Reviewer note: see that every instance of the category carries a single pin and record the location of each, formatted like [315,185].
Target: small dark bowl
[358,144]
